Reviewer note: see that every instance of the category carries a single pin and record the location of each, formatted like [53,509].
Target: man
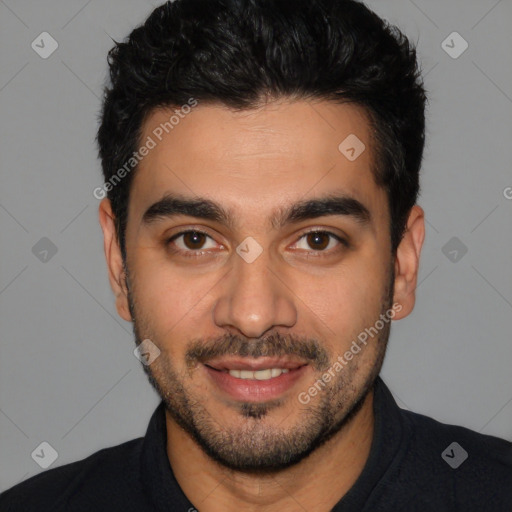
[261,162]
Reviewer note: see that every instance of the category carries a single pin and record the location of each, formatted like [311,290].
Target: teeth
[258,375]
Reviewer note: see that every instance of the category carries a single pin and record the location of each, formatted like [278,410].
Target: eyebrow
[172,205]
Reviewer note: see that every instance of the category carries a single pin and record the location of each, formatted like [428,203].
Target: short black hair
[240,53]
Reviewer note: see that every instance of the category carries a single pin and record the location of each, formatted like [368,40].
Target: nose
[255,299]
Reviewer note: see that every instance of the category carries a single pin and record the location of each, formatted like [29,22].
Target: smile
[255,385]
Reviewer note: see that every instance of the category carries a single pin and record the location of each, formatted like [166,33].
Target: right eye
[191,244]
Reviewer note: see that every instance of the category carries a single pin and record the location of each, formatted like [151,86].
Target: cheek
[350,298]
[168,298]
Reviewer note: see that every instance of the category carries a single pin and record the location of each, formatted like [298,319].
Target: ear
[407,262]
[116,273]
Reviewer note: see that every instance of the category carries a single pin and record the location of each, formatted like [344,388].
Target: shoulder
[112,469]
[483,449]
[469,468]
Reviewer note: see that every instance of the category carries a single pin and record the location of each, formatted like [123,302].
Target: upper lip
[261,363]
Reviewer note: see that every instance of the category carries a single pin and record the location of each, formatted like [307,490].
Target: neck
[317,483]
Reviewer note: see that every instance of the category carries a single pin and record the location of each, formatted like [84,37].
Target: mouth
[255,380]
[267,374]
[254,365]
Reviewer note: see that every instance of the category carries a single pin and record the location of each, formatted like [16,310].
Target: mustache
[275,345]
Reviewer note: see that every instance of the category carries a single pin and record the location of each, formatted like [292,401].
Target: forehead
[256,160]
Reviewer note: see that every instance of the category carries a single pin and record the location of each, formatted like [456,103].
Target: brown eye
[194,239]
[318,241]
[191,243]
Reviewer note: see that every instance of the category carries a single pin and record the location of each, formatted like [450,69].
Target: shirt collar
[387,437]
[157,476]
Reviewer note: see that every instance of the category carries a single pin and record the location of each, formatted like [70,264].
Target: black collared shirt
[415,464]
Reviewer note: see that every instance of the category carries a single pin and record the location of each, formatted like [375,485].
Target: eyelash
[198,253]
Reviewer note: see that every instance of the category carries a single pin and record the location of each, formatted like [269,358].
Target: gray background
[68,375]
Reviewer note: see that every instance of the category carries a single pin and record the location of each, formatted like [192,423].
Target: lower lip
[253,390]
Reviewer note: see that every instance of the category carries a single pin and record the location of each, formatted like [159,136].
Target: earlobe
[407,262]
[115,264]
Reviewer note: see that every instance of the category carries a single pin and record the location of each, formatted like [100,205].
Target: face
[254,244]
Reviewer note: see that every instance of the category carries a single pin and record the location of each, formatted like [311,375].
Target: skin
[294,295]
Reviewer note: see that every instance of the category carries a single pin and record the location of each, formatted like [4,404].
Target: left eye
[320,240]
